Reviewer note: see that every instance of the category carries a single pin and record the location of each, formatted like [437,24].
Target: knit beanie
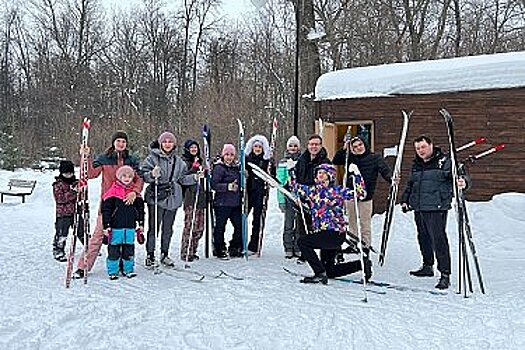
[293,140]
[66,166]
[119,135]
[126,169]
[228,148]
[166,135]
[329,169]
[189,143]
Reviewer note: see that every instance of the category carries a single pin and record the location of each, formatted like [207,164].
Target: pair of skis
[462,218]
[82,210]
[206,140]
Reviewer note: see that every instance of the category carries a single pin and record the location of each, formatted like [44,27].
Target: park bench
[18,188]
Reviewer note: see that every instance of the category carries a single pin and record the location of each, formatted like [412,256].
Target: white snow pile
[269,308]
[497,71]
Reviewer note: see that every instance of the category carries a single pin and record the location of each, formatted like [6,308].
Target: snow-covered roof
[497,71]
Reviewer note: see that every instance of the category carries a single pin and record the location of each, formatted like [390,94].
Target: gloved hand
[140,235]
[462,184]
[290,164]
[353,169]
[405,208]
[233,187]
[107,236]
[155,172]
[196,164]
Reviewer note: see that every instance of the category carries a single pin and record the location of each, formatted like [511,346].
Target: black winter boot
[424,271]
[317,278]
[444,281]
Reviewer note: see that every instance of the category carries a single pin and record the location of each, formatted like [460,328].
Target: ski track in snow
[269,309]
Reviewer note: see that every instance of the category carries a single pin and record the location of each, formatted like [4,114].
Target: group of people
[175,181]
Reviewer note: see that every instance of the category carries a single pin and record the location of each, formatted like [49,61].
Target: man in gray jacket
[429,193]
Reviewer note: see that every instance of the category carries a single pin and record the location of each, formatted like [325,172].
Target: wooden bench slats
[19,188]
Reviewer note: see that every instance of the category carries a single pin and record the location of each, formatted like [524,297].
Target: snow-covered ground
[269,309]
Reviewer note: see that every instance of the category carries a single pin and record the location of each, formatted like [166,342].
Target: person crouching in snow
[326,202]
[121,222]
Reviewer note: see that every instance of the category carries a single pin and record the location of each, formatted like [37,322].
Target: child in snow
[293,152]
[326,202]
[65,193]
[258,152]
[121,222]
[227,203]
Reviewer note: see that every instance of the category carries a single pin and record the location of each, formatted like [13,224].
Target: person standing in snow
[429,194]
[356,151]
[258,152]
[293,152]
[227,203]
[166,169]
[305,170]
[121,223]
[107,164]
[65,194]
[326,201]
[193,212]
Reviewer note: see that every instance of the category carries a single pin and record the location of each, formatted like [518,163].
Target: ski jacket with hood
[222,175]
[169,164]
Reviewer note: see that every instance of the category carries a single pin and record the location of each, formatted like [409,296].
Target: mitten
[140,235]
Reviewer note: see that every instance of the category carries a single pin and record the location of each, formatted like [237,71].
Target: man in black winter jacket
[370,165]
[429,193]
[305,169]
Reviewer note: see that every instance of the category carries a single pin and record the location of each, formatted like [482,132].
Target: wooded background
[176,65]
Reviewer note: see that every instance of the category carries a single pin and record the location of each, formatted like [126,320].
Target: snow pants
[255,202]
[319,240]
[432,239]
[121,248]
[166,218]
[290,235]
[222,215]
[365,218]
[193,228]
[62,226]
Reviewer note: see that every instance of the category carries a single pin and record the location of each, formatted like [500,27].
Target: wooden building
[484,94]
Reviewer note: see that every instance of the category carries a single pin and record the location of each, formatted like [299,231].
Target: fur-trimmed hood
[263,141]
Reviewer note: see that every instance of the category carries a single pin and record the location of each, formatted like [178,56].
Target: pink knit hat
[126,169]
[228,148]
[166,135]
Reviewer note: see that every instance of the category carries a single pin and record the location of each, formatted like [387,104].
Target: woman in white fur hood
[257,151]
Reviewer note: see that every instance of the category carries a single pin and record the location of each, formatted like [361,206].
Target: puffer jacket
[167,162]
[305,167]
[326,203]
[65,193]
[108,163]
[222,175]
[370,165]
[283,174]
[430,185]
[190,191]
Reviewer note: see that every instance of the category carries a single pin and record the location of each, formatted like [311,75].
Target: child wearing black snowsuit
[121,222]
[65,194]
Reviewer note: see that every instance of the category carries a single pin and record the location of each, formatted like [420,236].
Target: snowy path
[269,309]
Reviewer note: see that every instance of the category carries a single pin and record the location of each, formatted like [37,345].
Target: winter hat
[166,135]
[189,143]
[228,148]
[329,169]
[119,135]
[126,169]
[261,140]
[293,140]
[66,166]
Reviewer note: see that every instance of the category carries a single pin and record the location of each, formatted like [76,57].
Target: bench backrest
[21,183]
